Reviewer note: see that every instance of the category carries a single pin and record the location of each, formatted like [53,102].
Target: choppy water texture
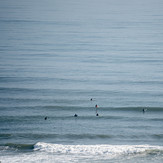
[59,58]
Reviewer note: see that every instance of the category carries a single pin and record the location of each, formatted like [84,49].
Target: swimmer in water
[46,118]
[75,115]
[96,106]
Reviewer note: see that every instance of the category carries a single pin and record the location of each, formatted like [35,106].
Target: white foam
[58,153]
[110,150]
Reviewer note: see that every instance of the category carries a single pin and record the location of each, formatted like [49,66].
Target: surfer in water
[96,106]
[144,110]
[75,115]
[46,118]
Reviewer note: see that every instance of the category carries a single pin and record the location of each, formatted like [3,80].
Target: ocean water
[57,55]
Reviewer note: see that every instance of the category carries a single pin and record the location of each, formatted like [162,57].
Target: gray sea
[59,58]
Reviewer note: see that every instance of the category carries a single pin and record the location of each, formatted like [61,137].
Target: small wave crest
[109,150]
[16,147]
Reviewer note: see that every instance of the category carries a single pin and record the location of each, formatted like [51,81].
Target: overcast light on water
[59,58]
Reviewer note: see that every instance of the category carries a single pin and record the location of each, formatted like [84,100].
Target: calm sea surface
[59,58]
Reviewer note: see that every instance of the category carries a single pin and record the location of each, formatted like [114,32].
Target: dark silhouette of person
[75,115]
[46,118]
[97,114]
[144,110]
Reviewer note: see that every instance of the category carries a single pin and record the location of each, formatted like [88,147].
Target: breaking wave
[107,150]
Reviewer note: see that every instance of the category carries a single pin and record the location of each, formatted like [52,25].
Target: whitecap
[107,150]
